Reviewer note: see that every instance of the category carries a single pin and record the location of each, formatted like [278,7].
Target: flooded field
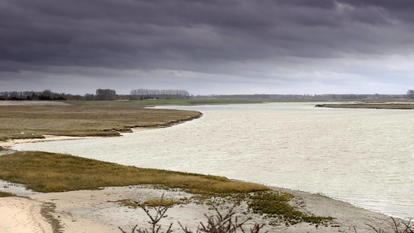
[361,156]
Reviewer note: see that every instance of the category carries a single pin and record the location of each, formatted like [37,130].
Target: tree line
[100,94]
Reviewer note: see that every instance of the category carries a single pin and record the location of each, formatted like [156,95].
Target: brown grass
[150,203]
[161,202]
[34,121]
[5,194]
[49,172]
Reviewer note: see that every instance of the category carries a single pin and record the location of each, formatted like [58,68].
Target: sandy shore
[11,143]
[99,211]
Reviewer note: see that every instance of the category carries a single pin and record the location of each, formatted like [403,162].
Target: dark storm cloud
[197,35]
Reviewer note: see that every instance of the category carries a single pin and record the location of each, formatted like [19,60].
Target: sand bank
[99,211]
[11,143]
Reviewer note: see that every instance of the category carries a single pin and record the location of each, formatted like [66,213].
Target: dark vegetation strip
[369,106]
[144,103]
[5,194]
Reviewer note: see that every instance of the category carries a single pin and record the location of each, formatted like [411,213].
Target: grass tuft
[276,205]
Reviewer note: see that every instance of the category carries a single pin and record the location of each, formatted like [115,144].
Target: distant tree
[410,94]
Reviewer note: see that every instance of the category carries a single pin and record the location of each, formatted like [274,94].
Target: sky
[208,46]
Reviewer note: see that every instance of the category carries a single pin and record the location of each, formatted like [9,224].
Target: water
[361,156]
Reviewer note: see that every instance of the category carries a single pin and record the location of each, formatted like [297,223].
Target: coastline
[47,138]
[100,211]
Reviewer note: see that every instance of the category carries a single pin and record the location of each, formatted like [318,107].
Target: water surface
[363,156]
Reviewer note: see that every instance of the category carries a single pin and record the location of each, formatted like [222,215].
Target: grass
[5,194]
[49,172]
[150,203]
[274,204]
[369,106]
[20,122]
[161,202]
[2,148]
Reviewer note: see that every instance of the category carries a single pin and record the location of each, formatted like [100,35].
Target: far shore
[399,105]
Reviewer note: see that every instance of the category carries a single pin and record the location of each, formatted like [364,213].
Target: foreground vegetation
[369,105]
[220,222]
[49,172]
[19,122]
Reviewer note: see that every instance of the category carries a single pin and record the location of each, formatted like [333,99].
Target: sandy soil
[11,143]
[22,215]
[98,211]
[34,102]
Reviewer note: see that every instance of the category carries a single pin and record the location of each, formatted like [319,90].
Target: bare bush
[397,226]
[217,223]
[160,212]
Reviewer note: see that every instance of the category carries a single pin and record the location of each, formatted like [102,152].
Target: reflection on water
[365,157]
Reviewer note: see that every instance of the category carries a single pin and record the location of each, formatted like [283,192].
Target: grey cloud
[197,35]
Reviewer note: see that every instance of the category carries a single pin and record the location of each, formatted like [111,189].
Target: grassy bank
[19,122]
[369,106]
[48,172]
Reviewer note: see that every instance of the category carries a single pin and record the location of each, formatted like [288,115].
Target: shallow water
[362,156]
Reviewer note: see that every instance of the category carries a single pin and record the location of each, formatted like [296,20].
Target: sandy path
[21,215]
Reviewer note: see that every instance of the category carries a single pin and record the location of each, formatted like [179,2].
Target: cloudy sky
[208,46]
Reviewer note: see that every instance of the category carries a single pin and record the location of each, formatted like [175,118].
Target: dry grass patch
[161,202]
[49,172]
[150,203]
[277,205]
[17,122]
[5,194]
